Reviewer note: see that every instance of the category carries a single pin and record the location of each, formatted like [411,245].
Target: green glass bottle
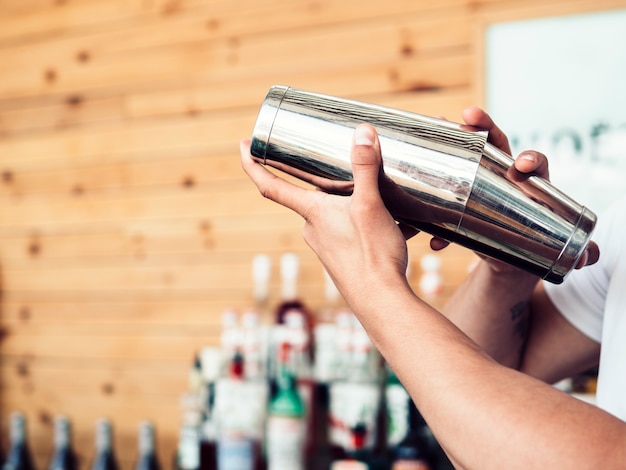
[286,424]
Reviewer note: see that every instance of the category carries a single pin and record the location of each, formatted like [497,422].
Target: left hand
[355,237]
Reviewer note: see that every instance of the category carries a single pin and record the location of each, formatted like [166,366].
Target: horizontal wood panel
[135,275]
[434,86]
[227,59]
[197,170]
[180,268]
[209,21]
[18,312]
[152,244]
[85,208]
[137,294]
[73,110]
[41,18]
[113,379]
[98,145]
[435,79]
[164,347]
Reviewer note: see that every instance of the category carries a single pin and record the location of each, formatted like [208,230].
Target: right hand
[528,163]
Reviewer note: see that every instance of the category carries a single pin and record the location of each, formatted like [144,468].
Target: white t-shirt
[593,299]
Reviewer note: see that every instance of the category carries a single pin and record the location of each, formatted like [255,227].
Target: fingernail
[363,135]
[528,157]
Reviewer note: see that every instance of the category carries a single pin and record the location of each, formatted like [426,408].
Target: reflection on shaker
[441,178]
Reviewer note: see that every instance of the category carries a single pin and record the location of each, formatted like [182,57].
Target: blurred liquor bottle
[19,456]
[147,458]
[286,422]
[240,413]
[187,455]
[104,458]
[355,403]
[63,455]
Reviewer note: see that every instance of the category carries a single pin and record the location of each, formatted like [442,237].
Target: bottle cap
[289,275]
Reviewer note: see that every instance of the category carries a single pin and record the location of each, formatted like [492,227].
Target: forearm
[492,309]
[476,407]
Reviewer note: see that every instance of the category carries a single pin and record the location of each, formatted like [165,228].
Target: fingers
[533,162]
[590,256]
[437,243]
[477,117]
[528,162]
[272,187]
[366,164]
[408,231]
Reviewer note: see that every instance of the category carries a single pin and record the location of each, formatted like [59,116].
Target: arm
[484,414]
[507,312]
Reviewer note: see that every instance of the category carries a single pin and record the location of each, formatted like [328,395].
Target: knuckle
[266,191]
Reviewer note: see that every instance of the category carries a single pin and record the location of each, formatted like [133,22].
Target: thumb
[366,163]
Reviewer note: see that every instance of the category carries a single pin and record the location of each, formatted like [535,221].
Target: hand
[526,164]
[354,236]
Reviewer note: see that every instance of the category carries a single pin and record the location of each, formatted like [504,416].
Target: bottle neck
[146,439]
[62,433]
[285,379]
[287,401]
[17,432]
[104,441]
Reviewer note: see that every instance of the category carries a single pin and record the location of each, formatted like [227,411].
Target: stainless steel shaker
[441,177]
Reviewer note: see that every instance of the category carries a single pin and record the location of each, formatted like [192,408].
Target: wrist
[505,272]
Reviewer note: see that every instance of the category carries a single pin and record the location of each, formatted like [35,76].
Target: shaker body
[442,178]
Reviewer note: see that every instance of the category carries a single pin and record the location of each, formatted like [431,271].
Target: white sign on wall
[558,85]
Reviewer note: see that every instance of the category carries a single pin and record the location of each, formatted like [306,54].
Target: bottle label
[241,406]
[397,400]
[189,449]
[353,404]
[235,453]
[285,443]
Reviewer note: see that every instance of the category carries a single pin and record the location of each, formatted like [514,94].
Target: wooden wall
[126,223]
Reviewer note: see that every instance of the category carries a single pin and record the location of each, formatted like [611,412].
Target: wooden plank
[19,311]
[84,146]
[430,78]
[205,313]
[209,326]
[193,21]
[130,274]
[195,171]
[38,19]
[236,200]
[200,245]
[172,348]
[140,294]
[74,110]
[228,58]
[60,17]
[191,241]
[122,380]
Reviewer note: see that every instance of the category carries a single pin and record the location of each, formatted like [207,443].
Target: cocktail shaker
[442,178]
